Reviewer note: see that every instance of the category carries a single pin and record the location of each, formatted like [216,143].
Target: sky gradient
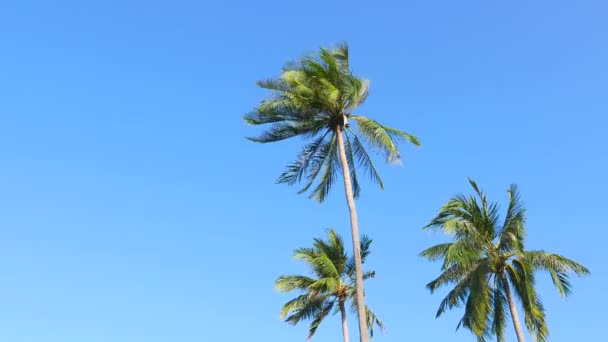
[132,209]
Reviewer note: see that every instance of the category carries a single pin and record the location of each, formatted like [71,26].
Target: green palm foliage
[329,288]
[315,99]
[486,263]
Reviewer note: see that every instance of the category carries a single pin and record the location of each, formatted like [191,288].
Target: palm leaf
[383,138]
[325,155]
[302,307]
[329,175]
[295,170]
[286,130]
[319,317]
[456,297]
[288,283]
[478,304]
[436,252]
[499,303]
[365,249]
[454,274]
[512,233]
[364,161]
[557,266]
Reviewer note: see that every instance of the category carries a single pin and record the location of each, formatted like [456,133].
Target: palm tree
[487,263]
[314,99]
[331,286]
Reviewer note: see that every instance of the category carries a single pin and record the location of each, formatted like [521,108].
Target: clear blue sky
[133,209]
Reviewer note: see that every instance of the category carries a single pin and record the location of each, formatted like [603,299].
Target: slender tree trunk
[344,325]
[513,308]
[354,225]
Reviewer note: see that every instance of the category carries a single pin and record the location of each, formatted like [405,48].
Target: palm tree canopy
[314,99]
[486,256]
[332,279]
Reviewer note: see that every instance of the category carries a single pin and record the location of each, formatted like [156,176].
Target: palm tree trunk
[344,325]
[513,308]
[354,225]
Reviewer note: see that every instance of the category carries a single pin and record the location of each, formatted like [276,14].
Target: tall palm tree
[330,287]
[487,264]
[315,98]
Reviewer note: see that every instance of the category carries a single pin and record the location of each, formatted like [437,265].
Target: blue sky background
[133,209]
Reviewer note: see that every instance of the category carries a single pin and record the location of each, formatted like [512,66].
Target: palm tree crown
[314,99]
[331,285]
[486,259]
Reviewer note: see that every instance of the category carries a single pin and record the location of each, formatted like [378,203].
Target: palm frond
[319,317]
[365,250]
[541,260]
[305,253]
[453,275]
[436,252]
[274,84]
[456,297]
[286,130]
[330,165]
[302,307]
[478,305]
[324,285]
[464,252]
[512,233]
[327,154]
[373,320]
[499,304]
[319,262]
[325,266]
[288,283]
[311,152]
[369,274]
[456,218]
[558,268]
[365,246]
[285,107]
[364,161]
[383,138]
[334,249]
